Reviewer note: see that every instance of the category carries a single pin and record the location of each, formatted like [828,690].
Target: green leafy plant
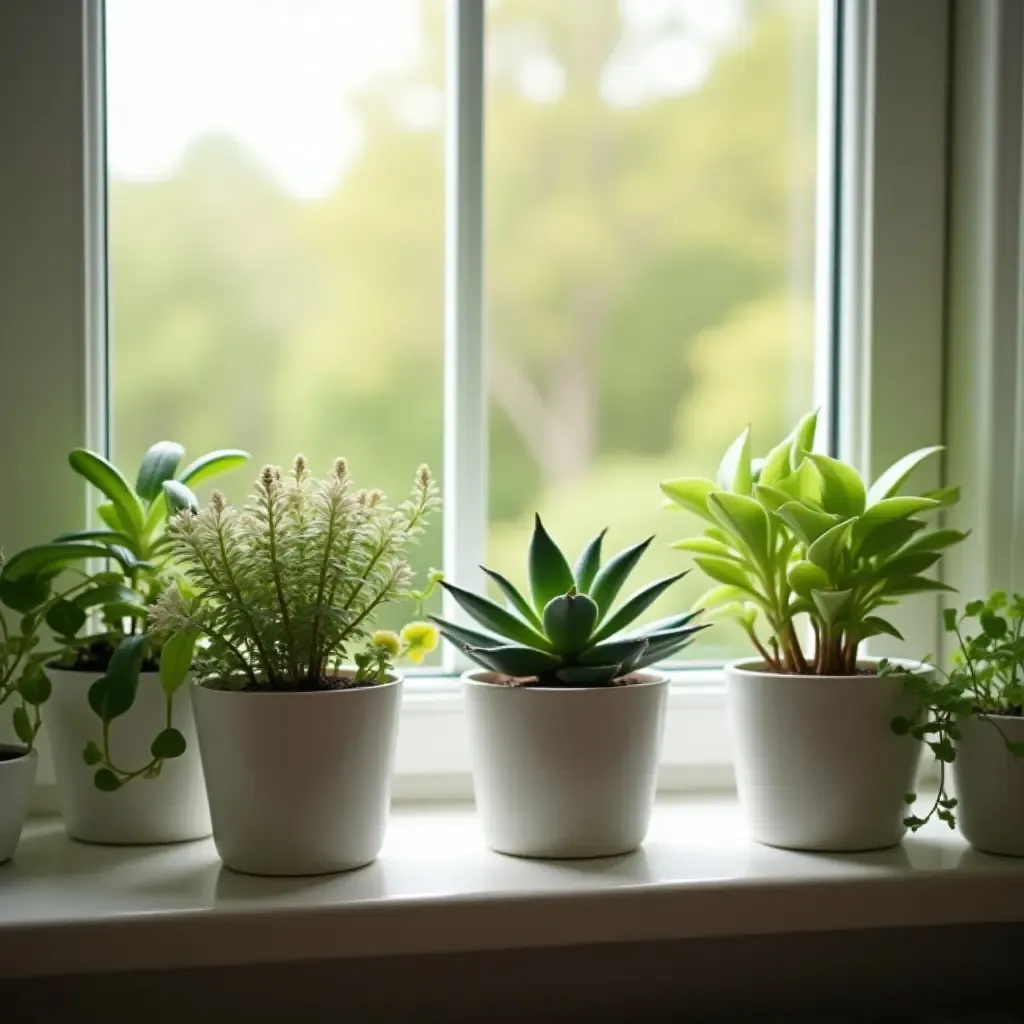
[986,679]
[800,534]
[280,594]
[98,620]
[568,634]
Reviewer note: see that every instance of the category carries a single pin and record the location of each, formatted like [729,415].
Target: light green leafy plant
[799,533]
[280,594]
[986,679]
[568,633]
[98,619]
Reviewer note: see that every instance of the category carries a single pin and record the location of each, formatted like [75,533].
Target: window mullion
[465,423]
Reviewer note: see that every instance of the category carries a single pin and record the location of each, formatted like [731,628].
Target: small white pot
[817,764]
[17,776]
[169,809]
[989,784]
[299,783]
[565,772]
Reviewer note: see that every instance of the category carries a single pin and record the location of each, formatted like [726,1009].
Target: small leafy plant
[986,679]
[800,534]
[98,620]
[280,594]
[568,633]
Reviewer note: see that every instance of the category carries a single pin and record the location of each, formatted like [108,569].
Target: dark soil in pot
[96,658]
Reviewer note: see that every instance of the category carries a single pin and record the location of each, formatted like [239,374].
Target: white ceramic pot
[169,809]
[989,784]
[817,764]
[565,772]
[299,783]
[17,776]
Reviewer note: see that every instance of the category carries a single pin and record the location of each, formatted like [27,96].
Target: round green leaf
[92,755]
[843,490]
[34,686]
[25,594]
[168,744]
[804,577]
[179,497]
[158,464]
[65,618]
[106,781]
[23,726]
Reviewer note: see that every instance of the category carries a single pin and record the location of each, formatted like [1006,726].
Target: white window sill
[68,908]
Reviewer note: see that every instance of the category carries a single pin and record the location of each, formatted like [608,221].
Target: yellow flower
[388,639]
[420,638]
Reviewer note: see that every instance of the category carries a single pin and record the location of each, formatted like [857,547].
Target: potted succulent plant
[975,723]
[565,724]
[806,558]
[110,721]
[23,683]
[278,597]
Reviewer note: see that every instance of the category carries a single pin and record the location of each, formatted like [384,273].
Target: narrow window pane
[276,234]
[650,190]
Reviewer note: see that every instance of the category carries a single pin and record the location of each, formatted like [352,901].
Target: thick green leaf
[106,593]
[92,755]
[168,744]
[588,675]
[23,726]
[717,596]
[550,574]
[803,438]
[108,479]
[50,559]
[158,464]
[807,523]
[887,539]
[771,498]
[668,624]
[110,698]
[515,661]
[826,550]
[107,511]
[589,563]
[118,537]
[842,488]
[569,621]
[705,546]
[213,464]
[691,493]
[889,482]
[734,470]
[805,577]
[804,484]
[662,648]
[65,618]
[912,564]
[106,781]
[830,603]
[901,586]
[945,496]
[176,659]
[936,540]
[744,518]
[614,652]
[722,570]
[34,686]
[613,575]
[776,465]
[179,497]
[461,637]
[875,625]
[886,511]
[515,598]
[635,606]
[25,594]
[496,618]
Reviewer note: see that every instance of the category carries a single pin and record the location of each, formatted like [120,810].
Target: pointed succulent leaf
[830,603]
[634,607]
[807,523]
[912,564]
[804,484]
[515,598]
[569,621]
[803,438]
[719,595]
[723,570]
[588,564]
[516,661]
[461,637]
[690,493]
[665,649]
[935,540]
[902,586]
[889,482]
[670,622]
[843,490]
[744,518]
[888,538]
[734,470]
[106,478]
[704,546]
[496,618]
[550,574]
[805,577]
[613,575]
[664,636]
[158,464]
[776,463]
[826,550]
[588,675]
[614,652]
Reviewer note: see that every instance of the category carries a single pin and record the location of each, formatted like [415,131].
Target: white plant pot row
[298,783]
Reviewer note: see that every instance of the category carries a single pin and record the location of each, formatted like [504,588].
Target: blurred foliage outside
[649,279]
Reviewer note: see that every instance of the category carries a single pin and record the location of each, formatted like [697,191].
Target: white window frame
[886,326]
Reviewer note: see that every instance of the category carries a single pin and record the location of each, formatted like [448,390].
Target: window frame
[882,317]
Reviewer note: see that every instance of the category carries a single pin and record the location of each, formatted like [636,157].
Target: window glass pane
[276,234]
[650,190]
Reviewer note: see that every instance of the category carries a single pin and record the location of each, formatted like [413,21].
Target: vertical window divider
[465,423]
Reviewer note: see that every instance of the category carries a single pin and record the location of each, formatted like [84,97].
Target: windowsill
[68,908]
